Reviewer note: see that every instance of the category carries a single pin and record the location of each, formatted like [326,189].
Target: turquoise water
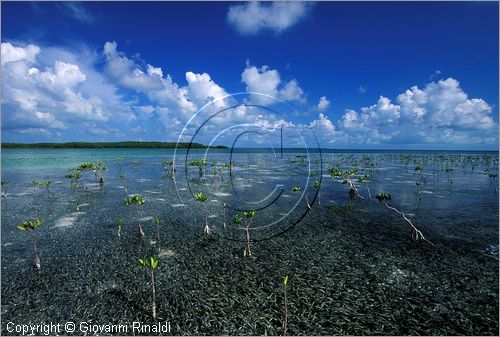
[49,159]
[41,159]
[354,266]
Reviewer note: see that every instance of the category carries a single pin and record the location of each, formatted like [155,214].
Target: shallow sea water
[354,268]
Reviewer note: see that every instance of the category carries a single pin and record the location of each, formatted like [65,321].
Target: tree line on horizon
[99,145]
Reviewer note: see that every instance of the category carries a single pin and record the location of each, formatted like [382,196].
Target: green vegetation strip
[103,145]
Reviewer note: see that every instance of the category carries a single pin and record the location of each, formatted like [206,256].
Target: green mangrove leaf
[249,214]
[237,219]
[200,197]
[154,262]
[383,197]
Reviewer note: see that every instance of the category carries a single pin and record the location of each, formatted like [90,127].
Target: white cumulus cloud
[440,112]
[175,103]
[267,81]
[202,89]
[384,112]
[11,53]
[323,104]
[53,92]
[445,104]
[323,123]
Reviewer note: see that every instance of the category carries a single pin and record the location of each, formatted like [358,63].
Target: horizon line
[221,147]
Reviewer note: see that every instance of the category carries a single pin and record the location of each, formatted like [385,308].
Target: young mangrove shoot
[201,164]
[225,206]
[285,306]
[169,173]
[416,233]
[249,216]
[137,201]
[296,189]
[363,179]
[419,171]
[202,198]
[317,186]
[119,224]
[347,174]
[46,184]
[449,173]
[4,188]
[238,221]
[74,179]
[98,168]
[151,263]
[419,193]
[30,226]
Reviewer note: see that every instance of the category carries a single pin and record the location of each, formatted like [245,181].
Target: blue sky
[358,75]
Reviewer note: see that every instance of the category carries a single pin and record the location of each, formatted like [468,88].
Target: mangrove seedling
[335,172]
[285,305]
[383,197]
[229,166]
[419,193]
[122,177]
[224,207]
[74,177]
[201,164]
[347,174]
[30,226]
[449,172]
[363,179]
[137,201]
[75,184]
[4,188]
[151,263]
[296,189]
[214,175]
[98,168]
[202,198]
[416,233]
[317,186]
[249,216]
[169,173]
[237,220]
[419,170]
[119,224]
[44,183]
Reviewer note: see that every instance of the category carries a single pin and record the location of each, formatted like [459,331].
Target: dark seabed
[353,266]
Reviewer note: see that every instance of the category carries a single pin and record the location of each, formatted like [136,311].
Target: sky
[379,75]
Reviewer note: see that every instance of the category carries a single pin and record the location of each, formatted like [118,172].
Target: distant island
[106,145]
